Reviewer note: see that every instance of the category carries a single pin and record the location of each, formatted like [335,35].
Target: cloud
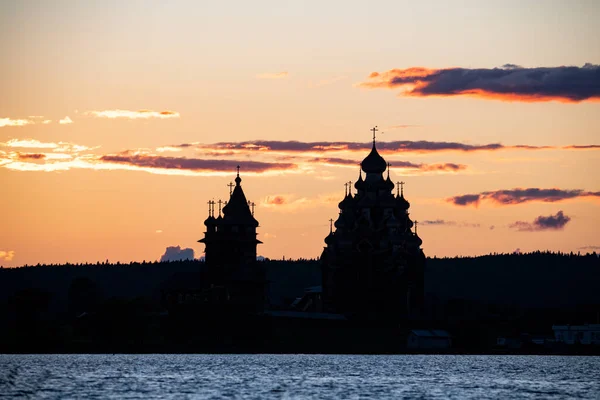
[442,222]
[390,148]
[193,164]
[176,253]
[29,143]
[509,82]
[276,200]
[31,156]
[14,122]
[273,75]
[401,146]
[7,255]
[582,147]
[542,223]
[450,167]
[60,147]
[168,148]
[290,202]
[592,247]
[140,114]
[519,196]
[65,121]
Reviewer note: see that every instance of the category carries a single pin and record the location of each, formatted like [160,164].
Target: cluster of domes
[374,205]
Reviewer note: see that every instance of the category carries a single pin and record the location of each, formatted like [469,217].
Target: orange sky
[98,100]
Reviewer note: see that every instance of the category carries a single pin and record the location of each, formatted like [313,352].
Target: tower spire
[416,223]
[345,189]
[220,204]
[389,165]
[231,185]
[330,225]
[350,187]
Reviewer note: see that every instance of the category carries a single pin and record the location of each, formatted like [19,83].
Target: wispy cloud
[36,144]
[31,156]
[443,222]
[591,247]
[441,167]
[139,114]
[29,143]
[273,75]
[291,202]
[509,82]
[519,196]
[7,255]
[14,122]
[401,146]
[168,148]
[194,164]
[543,223]
[65,121]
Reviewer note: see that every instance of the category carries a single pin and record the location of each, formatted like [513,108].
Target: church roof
[237,210]
[373,163]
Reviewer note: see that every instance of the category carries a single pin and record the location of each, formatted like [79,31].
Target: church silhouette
[372,264]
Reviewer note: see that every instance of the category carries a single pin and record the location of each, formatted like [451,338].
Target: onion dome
[402,203]
[329,239]
[418,241]
[360,183]
[373,163]
[210,221]
[389,185]
[347,202]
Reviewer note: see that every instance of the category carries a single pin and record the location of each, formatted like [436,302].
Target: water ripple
[298,377]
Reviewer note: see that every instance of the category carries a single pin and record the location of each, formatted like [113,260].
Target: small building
[577,334]
[429,339]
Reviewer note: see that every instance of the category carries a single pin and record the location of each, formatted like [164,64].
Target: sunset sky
[120,120]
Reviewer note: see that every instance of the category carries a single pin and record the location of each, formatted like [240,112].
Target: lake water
[299,376]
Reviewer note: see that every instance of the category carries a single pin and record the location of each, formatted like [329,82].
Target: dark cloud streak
[510,82]
[543,223]
[193,164]
[519,196]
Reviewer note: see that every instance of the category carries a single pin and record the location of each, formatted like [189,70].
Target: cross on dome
[401,187]
[374,129]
